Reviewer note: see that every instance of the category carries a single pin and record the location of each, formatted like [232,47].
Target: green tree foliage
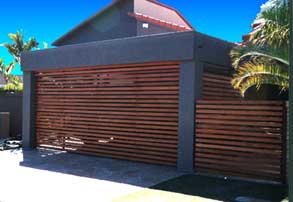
[17,45]
[264,58]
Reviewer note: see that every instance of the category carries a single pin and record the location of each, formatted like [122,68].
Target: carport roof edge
[152,48]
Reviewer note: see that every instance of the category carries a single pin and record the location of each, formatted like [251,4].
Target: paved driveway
[53,176]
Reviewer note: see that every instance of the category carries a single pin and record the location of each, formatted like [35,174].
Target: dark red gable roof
[168,15]
[146,10]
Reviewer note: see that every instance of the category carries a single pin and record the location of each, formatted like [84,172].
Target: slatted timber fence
[121,111]
[241,138]
[217,83]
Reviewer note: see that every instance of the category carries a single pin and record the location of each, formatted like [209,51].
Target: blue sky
[48,20]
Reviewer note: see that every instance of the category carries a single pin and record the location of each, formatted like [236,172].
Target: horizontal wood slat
[217,83]
[241,138]
[122,111]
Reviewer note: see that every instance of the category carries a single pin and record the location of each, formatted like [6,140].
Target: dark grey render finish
[112,23]
[4,125]
[191,49]
[155,48]
[13,105]
[186,123]
[28,113]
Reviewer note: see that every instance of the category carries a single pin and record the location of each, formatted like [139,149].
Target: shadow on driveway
[223,190]
[120,171]
[150,176]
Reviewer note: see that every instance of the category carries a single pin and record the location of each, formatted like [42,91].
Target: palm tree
[264,57]
[5,70]
[18,46]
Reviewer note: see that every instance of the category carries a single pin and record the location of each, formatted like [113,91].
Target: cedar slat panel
[169,145]
[241,107]
[260,157]
[239,123]
[101,88]
[122,111]
[169,139]
[130,113]
[137,106]
[240,143]
[217,83]
[232,117]
[107,66]
[240,102]
[63,122]
[101,100]
[152,76]
[159,92]
[114,107]
[85,97]
[138,79]
[240,112]
[240,138]
[105,120]
[114,84]
[265,130]
[239,158]
[116,146]
[218,96]
[105,127]
[227,131]
[119,154]
[171,120]
[239,149]
[104,71]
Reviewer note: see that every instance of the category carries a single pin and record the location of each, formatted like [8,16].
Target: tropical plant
[264,58]
[18,45]
[15,49]
[5,70]
[13,87]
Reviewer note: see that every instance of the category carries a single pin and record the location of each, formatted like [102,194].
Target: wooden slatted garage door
[124,111]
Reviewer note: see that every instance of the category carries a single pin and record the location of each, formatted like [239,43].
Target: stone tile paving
[46,175]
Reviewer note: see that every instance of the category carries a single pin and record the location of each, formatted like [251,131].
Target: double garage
[121,111]
[130,98]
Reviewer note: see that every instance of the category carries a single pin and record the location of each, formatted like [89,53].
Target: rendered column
[28,133]
[190,90]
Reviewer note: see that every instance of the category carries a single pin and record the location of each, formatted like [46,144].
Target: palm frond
[19,45]
[30,44]
[271,34]
[243,54]
[251,74]
[264,58]
[276,11]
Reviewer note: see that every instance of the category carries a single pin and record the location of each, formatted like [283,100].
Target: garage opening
[122,111]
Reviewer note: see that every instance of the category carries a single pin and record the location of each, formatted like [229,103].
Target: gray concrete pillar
[28,133]
[190,90]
